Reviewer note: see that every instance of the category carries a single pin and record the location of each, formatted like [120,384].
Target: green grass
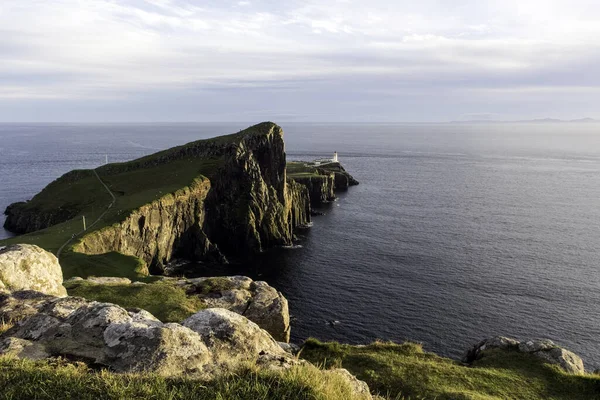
[5,325]
[56,379]
[300,170]
[407,372]
[108,264]
[214,285]
[164,300]
[134,184]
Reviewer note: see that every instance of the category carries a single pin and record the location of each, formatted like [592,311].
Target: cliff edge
[214,199]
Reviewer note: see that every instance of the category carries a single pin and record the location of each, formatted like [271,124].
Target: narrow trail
[112,203]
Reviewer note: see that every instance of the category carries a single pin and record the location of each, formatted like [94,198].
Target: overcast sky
[345,60]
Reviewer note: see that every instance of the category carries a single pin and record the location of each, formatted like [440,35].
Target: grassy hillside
[49,380]
[407,372]
[135,183]
[164,300]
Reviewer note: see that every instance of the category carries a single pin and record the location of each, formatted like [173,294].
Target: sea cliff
[210,200]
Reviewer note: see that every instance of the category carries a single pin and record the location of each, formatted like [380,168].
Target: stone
[29,267]
[269,309]
[108,280]
[257,301]
[233,338]
[532,346]
[290,348]
[107,335]
[22,348]
[544,349]
[360,388]
[498,342]
[548,351]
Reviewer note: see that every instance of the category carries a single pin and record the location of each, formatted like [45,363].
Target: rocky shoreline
[243,322]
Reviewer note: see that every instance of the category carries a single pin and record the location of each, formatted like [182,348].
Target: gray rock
[359,388]
[290,348]
[108,335]
[548,351]
[22,348]
[269,309]
[532,346]
[233,338]
[29,267]
[498,342]
[257,301]
[544,349]
[108,280]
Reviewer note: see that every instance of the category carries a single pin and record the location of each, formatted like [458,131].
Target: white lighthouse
[335,158]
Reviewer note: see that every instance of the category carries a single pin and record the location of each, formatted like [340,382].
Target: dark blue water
[456,233]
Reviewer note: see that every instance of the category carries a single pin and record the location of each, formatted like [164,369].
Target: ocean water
[456,232]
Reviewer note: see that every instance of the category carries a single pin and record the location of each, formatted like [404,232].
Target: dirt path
[112,203]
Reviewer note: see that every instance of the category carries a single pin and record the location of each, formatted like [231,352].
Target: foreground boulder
[107,335]
[233,339]
[257,301]
[29,267]
[544,349]
[209,343]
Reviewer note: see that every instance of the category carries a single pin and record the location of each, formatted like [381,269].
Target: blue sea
[456,233]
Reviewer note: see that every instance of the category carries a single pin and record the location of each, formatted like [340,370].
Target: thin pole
[84,227]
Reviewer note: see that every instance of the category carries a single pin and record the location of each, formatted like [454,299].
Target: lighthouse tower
[335,158]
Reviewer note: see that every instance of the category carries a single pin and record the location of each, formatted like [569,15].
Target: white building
[327,160]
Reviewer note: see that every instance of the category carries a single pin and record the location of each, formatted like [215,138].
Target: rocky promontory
[212,200]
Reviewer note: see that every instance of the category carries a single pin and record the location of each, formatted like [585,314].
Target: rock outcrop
[156,232]
[209,343]
[234,339]
[244,207]
[29,267]
[257,301]
[544,349]
[321,188]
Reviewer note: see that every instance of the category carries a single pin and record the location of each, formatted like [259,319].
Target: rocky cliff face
[321,188]
[22,218]
[248,208]
[167,227]
[245,208]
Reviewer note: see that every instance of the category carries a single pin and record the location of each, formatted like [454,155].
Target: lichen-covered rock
[257,301]
[233,338]
[321,187]
[105,280]
[544,349]
[548,351]
[268,308]
[210,343]
[359,388]
[21,304]
[108,335]
[29,267]
[498,342]
[22,348]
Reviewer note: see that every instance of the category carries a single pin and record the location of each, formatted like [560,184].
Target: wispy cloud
[452,58]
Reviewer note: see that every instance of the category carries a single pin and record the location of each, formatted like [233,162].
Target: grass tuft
[58,379]
[405,371]
[164,300]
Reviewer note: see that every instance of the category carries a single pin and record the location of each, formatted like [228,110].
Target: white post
[106,159]
[84,227]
